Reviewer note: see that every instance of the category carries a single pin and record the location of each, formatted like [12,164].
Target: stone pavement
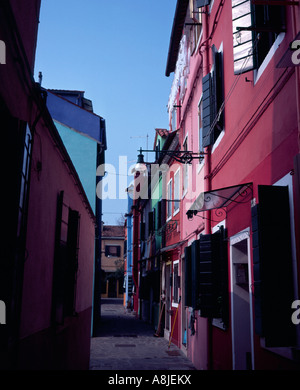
[125,342]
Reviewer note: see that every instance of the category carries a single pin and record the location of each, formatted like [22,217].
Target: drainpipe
[207,169]
[295,30]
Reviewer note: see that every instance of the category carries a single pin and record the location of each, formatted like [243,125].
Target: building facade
[234,101]
[84,135]
[47,251]
[112,261]
[128,264]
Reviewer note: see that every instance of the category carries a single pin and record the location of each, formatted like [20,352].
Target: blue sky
[116,51]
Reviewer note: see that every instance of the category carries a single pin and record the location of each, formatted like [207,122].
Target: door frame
[241,236]
[168,299]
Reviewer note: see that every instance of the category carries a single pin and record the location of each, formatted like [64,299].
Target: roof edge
[178,23]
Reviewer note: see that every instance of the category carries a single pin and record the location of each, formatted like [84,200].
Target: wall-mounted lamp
[190,214]
[182,156]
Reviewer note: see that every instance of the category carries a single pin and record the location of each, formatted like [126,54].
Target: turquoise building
[84,135]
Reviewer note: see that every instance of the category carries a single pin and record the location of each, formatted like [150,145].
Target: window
[169,201]
[200,125]
[273,267]
[185,168]
[65,261]
[255,29]
[176,282]
[150,222]
[112,250]
[24,180]
[176,191]
[174,119]
[202,3]
[213,98]
[196,17]
[206,275]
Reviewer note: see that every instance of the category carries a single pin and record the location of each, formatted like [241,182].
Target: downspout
[295,30]
[207,170]
[296,180]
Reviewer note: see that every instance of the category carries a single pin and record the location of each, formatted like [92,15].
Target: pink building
[47,251]
[235,100]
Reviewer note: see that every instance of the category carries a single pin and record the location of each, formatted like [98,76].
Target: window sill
[200,166]
[216,144]
[176,212]
[263,66]
[218,323]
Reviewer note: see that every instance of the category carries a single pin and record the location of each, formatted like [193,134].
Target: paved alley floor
[125,342]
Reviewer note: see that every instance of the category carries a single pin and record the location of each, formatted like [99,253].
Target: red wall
[69,348]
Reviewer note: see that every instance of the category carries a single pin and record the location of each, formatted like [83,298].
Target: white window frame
[222,133]
[175,304]
[185,171]
[176,191]
[258,72]
[169,199]
[200,165]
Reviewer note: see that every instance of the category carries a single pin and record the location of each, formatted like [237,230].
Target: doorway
[168,286]
[184,324]
[241,302]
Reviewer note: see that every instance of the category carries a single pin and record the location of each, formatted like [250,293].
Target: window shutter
[207,113]
[269,21]
[195,273]
[163,221]
[118,251]
[202,3]
[243,58]
[188,276]
[217,93]
[272,267]
[150,222]
[72,263]
[213,279]
[142,231]
[159,225]
[249,20]
[60,255]
[206,293]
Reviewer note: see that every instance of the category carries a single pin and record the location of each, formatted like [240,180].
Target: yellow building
[112,261]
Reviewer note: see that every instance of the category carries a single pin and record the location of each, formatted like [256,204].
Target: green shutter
[272,266]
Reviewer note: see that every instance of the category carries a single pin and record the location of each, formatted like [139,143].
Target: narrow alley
[125,342]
